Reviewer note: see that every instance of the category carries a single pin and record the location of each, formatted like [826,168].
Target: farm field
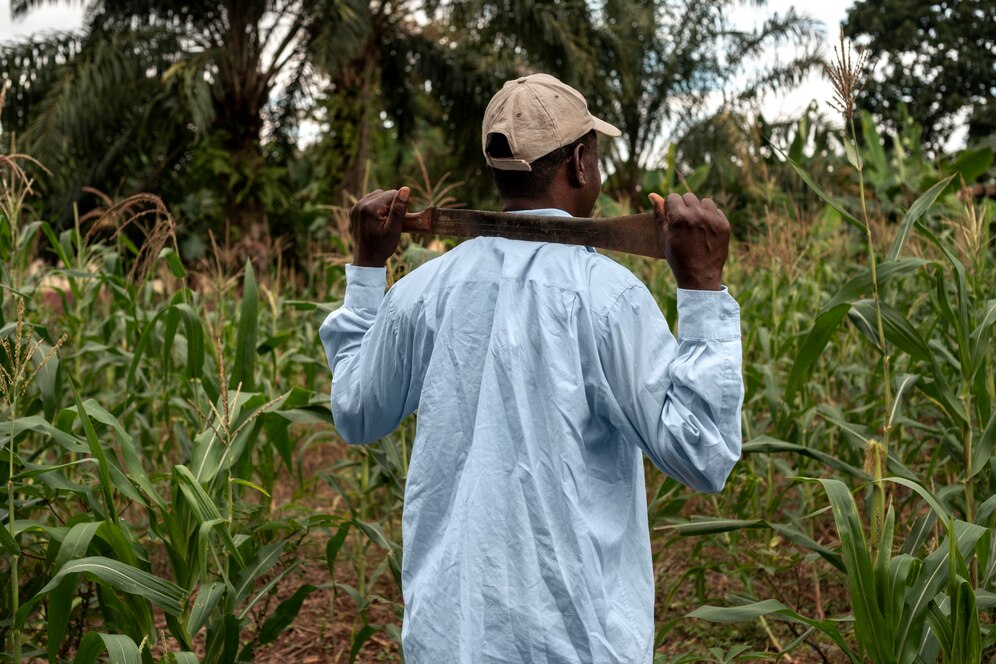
[175,479]
[172,486]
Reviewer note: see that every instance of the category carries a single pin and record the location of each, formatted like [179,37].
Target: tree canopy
[937,58]
[205,102]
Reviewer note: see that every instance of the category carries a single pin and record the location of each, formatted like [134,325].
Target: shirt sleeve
[371,357]
[678,399]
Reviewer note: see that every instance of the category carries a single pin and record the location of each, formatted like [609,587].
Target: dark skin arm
[694,234]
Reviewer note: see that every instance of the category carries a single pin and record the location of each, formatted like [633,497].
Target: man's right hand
[375,223]
[695,238]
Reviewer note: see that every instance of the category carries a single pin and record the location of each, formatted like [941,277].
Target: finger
[382,203]
[691,200]
[399,206]
[709,204]
[660,207]
[675,202]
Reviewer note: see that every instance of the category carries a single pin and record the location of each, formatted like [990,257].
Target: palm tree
[179,72]
[649,66]
[662,60]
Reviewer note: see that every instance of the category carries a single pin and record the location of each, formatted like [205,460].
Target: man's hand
[375,222]
[695,237]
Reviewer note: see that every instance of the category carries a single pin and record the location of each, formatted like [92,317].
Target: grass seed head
[15,376]
[847,75]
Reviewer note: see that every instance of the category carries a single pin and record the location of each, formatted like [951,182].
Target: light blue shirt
[541,374]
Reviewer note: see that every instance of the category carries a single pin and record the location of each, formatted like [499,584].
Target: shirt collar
[544,212]
[549,212]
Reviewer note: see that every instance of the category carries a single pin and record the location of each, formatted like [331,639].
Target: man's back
[539,372]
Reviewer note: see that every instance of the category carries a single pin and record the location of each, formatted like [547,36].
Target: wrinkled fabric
[540,373]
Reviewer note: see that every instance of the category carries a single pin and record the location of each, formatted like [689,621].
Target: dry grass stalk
[437,193]
[3,95]
[129,212]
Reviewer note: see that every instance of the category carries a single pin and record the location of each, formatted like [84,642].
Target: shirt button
[722,317]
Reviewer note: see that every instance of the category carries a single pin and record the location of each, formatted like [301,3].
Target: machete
[632,234]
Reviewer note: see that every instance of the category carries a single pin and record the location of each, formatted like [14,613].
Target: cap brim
[603,127]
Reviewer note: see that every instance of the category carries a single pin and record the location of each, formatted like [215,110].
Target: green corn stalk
[893,598]
[15,557]
[15,377]
[846,75]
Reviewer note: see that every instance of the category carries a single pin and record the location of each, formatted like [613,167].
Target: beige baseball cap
[537,114]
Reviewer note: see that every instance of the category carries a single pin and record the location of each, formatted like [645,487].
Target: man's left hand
[375,223]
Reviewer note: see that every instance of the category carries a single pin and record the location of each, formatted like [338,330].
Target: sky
[68,14]
[831,13]
[58,16]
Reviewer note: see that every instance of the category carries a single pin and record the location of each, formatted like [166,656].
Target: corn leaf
[914,214]
[930,581]
[244,371]
[768,445]
[8,543]
[267,588]
[60,599]
[204,603]
[284,615]
[182,658]
[773,608]
[174,261]
[833,312]
[265,559]
[904,383]
[205,510]
[869,622]
[917,537]
[966,631]
[120,649]
[982,455]
[361,637]
[334,545]
[194,330]
[979,338]
[818,190]
[167,596]
[97,452]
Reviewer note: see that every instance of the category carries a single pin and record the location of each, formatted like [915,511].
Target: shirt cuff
[364,287]
[708,315]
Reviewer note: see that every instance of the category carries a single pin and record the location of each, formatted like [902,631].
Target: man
[539,372]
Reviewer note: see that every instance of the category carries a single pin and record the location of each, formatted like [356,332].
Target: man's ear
[575,166]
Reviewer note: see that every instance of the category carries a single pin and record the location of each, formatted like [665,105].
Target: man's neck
[519,204]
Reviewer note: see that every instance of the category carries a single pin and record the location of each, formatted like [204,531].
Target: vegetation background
[173,489]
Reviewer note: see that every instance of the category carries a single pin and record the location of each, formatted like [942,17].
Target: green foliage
[143,472]
[147,485]
[917,605]
[141,462]
[912,42]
